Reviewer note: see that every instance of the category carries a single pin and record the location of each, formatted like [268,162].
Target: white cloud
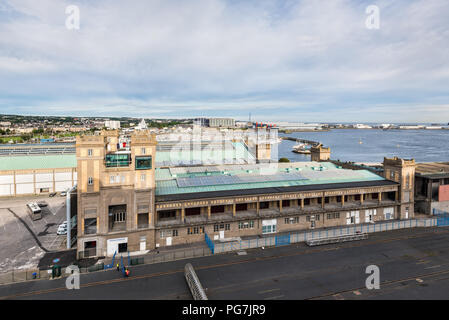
[181,56]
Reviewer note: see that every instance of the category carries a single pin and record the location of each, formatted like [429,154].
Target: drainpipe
[68,214]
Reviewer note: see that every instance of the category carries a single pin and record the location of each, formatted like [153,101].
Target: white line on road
[272,298]
[433,267]
[266,291]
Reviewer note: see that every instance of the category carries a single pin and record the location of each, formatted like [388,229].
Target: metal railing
[306,235]
[338,239]
[194,283]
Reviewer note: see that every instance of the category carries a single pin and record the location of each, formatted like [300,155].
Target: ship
[301,148]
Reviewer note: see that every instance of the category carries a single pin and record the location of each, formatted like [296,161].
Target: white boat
[301,148]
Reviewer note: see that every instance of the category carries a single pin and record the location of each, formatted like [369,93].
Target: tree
[284,160]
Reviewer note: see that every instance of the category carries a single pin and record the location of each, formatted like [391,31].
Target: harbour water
[373,145]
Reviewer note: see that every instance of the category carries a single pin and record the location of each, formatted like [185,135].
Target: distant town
[41,129]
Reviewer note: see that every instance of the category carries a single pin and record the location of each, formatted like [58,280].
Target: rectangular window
[335,215]
[142,177]
[111,179]
[118,160]
[227,226]
[264,205]
[286,203]
[143,163]
[167,214]
[291,220]
[143,151]
[90,181]
[246,225]
[216,227]
[195,230]
[90,226]
[142,220]
[175,233]
[89,152]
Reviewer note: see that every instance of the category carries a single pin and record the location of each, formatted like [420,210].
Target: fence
[304,236]
[18,275]
[438,212]
[209,243]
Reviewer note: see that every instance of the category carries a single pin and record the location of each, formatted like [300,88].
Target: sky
[302,61]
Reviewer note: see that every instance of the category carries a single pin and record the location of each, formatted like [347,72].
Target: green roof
[184,155]
[38,162]
[311,173]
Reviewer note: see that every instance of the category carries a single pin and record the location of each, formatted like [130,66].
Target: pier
[308,142]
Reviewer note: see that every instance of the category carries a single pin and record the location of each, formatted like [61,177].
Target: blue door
[443,220]
[282,240]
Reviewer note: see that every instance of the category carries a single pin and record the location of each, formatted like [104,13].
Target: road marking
[357,292]
[422,262]
[433,267]
[266,291]
[419,280]
[272,298]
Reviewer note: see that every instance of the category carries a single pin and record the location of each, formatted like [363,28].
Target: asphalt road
[414,264]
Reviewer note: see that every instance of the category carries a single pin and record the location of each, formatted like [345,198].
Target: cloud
[313,59]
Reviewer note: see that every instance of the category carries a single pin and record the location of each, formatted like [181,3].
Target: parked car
[61,230]
[52,194]
[42,204]
[63,193]
[63,225]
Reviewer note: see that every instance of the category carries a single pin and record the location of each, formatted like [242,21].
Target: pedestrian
[127,272]
[118,267]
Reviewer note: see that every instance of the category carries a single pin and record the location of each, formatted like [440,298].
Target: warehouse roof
[433,169]
[37,162]
[167,155]
[206,179]
[188,154]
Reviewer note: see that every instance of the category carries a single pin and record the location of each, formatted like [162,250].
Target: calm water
[422,145]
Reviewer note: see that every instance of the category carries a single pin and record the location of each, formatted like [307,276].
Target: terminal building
[126,204]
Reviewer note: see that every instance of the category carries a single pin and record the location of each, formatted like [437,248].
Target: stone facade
[403,172]
[115,198]
[320,153]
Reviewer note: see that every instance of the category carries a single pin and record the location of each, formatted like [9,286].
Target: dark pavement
[414,264]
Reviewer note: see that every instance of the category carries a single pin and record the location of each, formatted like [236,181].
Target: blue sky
[303,60]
